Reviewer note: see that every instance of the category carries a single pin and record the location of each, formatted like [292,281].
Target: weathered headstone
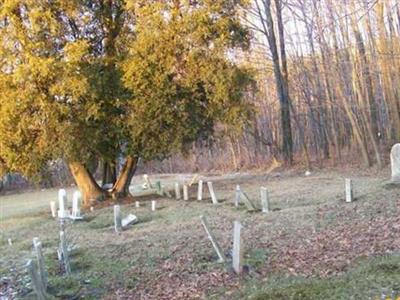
[62,201]
[147,184]
[64,254]
[53,209]
[217,248]
[212,193]
[36,280]
[237,253]
[153,205]
[91,208]
[185,192]
[264,200]
[349,190]
[76,202]
[177,191]
[200,190]
[237,195]
[395,163]
[117,218]
[37,246]
[10,242]
[137,204]
[130,219]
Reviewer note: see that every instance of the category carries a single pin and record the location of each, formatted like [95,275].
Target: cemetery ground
[311,245]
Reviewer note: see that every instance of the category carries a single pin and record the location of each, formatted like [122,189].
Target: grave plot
[302,227]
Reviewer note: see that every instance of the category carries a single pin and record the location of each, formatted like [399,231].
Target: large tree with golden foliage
[89,81]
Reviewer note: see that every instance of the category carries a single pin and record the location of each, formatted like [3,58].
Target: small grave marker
[117,218]
[53,209]
[264,199]
[137,204]
[153,205]
[200,190]
[147,184]
[237,254]
[177,191]
[185,192]
[249,204]
[130,219]
[10,242]
[212,193]
[349,190]
[217,248]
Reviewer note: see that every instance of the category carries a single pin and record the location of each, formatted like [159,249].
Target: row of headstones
[199,191]
[37,269]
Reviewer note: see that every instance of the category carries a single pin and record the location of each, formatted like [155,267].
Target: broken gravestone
[395,163]
[130,219]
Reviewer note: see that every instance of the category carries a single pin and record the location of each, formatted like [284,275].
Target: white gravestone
[53,209]
[137,204]
[62,202]
[212,193]
[264,200]
[185,193]
[153,205]
[237,195]
[130,219]
[237,252]
[117,218]
[395,163]
[200,190]
[76,202]
[349,190]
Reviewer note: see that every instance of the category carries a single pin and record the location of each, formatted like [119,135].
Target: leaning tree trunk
[89,188]
[121,186]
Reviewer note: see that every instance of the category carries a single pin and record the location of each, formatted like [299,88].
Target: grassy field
[311,246]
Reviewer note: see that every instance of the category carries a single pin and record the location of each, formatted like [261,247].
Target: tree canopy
[91,80]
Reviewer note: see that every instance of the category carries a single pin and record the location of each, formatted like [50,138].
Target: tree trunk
[121,186]
[89,188]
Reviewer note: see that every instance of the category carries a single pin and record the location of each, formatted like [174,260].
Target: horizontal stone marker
[217,248]
[129,220]
[117,218]
[349,190]
[237,253]
[395,163]
[212,193]
[185,192]
[264,200]
[53,209]
[200,190]
[153,205]
[177,191]
[36,280]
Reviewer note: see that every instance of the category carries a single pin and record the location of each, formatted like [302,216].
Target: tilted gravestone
[395,163]
[211,237]
[212,193]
